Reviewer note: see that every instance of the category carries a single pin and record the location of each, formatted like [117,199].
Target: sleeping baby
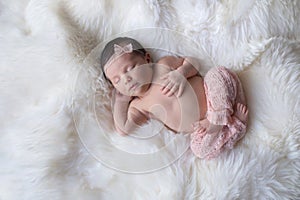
[212,108]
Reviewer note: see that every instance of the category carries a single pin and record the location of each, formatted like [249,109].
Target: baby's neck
[146,92]
[155,80]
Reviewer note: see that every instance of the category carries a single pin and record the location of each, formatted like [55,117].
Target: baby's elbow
[122,134]
[121,131]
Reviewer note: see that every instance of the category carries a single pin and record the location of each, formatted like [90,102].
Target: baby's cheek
[145,78]
[119,89]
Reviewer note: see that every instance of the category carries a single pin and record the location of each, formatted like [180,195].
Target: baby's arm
[190,67]
[187,66]
[126,117]
[184,68]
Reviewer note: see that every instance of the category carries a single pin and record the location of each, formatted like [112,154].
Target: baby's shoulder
[139,105]
[170,59]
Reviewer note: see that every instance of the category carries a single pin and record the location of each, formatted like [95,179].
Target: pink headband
[118,51]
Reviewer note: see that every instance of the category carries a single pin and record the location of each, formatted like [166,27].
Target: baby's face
[130,74]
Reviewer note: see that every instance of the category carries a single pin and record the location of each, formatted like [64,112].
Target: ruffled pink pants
[223,91]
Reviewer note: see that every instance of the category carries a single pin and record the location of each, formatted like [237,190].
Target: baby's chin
[137,92]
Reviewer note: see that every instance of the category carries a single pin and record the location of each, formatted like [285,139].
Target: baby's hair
[108,50]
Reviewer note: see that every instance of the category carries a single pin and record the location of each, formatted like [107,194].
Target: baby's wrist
[181,70]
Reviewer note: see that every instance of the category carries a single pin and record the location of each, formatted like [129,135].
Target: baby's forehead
[120,62]
[123,60]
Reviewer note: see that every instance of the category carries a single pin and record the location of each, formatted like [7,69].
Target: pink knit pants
[223,90]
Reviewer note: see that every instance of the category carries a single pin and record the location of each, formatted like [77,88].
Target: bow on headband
[121,50]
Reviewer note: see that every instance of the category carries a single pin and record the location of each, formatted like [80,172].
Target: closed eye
[130,68]
[116,80]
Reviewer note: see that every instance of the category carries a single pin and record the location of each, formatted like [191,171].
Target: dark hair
[108,50]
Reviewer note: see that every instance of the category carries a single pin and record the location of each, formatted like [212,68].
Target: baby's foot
[200,127]
[205,126]
[241,112]
[204,123]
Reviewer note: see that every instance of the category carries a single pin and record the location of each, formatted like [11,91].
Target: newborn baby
[213,109]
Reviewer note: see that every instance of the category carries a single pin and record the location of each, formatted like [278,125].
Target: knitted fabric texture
[223,91]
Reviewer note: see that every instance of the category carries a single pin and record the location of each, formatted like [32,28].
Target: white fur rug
[57,140]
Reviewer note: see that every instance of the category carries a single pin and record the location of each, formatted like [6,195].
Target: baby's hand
[117,96]
[174,83]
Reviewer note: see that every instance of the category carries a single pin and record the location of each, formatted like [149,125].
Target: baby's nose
[127,79]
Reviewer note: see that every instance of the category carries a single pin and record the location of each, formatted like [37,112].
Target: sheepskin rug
[57,138]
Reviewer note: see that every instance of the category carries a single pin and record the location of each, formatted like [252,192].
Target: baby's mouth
[132,87]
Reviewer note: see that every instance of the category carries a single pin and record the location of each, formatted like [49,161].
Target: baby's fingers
[164,84]
[179,91]
[196,124]
[172,90]
[167,88]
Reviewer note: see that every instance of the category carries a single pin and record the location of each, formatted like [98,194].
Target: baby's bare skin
[170,91]
[204,126]
[177,113]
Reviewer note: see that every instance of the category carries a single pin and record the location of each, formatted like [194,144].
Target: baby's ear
[148,57]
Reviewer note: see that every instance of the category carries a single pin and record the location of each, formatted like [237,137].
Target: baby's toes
[199,129]
[200,132]
[240,107]
[245,109]
[196,124]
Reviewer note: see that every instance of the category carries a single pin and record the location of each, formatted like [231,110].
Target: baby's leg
[221,90]
[238,125]
[210,145]
[207,140]
[206,145]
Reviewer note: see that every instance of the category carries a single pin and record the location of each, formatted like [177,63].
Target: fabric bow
[121,50]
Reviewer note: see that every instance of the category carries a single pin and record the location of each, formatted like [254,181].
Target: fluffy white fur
[57,139]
